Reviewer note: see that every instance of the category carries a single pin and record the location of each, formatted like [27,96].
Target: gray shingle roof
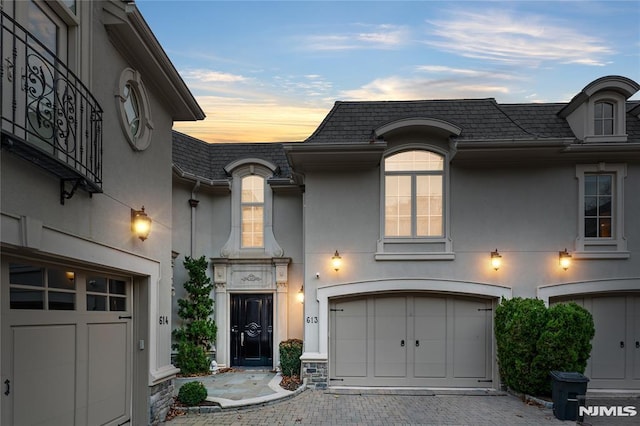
[208,160]
[354,122]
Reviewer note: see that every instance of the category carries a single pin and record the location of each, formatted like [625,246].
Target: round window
[134,110]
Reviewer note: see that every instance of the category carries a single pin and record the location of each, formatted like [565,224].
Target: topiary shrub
[533,340]
[195,337]
[518,323]
[290,353]
[192,393]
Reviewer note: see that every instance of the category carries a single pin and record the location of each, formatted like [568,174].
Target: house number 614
[312,320]
[163,320]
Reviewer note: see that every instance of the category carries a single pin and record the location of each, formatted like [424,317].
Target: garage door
[615,353]
[410,340]
[66,340]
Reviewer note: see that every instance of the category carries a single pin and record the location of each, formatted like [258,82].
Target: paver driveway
[330,408]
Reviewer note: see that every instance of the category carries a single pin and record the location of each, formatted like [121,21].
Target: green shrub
[194,339]
[564,344]
[192,393]
[191,358]
[518,323]
[290,352]
[533,340]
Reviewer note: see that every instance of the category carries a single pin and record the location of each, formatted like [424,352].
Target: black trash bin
[565,389]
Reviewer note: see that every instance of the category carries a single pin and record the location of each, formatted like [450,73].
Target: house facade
[405,222]
[88,101]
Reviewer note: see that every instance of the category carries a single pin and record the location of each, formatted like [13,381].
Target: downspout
[193,202]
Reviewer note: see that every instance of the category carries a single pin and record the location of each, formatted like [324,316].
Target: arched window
[252,207]
[414,195]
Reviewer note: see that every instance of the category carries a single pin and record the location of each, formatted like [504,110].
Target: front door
[252,330]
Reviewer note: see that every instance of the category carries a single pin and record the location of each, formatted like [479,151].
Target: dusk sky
[271,71]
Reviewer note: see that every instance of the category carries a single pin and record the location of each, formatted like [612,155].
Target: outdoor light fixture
[565,259]
[496,259]
[336,261]
[140,224]
[301,295]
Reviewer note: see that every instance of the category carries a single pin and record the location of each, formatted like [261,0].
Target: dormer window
[604,118]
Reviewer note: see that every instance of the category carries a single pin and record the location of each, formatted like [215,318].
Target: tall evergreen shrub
[533,340]
[195,337]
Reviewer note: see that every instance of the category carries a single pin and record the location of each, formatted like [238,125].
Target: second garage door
[410,340]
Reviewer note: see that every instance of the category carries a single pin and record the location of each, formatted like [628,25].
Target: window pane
[117,287]
[252,189]
[398,206]
[414,161]
[605,228]
[252,226]
[97,284]
[96,303]
[590,206]
[604,207]
[591,227]
[26,299]
[607,109]
[58,278]
[26,275]
[604,184]
[117,303]
[62,301]
[590,185]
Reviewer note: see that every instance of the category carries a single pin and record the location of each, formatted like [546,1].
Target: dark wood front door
[252,330]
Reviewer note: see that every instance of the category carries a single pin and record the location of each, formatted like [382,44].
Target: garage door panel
[470,339]
[107,364]
[44,373]
[390,337]
[350,331]
[608,358]
[430,330]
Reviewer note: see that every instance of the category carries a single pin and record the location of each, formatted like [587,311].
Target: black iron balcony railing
[49,117]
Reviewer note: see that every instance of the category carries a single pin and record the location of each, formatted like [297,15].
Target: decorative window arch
[251,233]
[414,204]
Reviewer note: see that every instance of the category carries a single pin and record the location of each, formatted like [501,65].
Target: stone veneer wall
[315,374]
[160,400]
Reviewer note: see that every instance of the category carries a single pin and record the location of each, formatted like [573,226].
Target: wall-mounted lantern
[564,258]
[140,223]
[300,295]
[496,259]
[336,261]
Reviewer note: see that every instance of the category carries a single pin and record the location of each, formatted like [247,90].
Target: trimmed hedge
[533,340]
[192,393]
[290,353]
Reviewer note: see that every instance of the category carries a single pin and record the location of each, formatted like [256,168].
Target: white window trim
[233,248]
[426,248]
[619,116]
[614,247]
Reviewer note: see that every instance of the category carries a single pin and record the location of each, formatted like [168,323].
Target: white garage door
[66,341]
[410,340]
[615,353]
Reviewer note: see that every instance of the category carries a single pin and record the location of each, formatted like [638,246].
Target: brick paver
[317,407]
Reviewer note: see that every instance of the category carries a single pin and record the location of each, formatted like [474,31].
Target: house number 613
[312,320]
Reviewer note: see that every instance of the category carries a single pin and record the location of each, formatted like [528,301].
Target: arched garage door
[410,340]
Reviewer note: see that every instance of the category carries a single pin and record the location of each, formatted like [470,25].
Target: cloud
[413,88]
[384,36]
[519,40]
[209,76]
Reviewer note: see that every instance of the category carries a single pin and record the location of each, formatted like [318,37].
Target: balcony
[49,117]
